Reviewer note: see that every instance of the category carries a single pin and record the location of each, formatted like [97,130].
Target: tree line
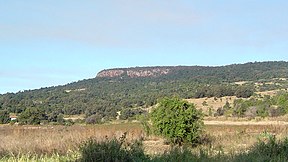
[103,98]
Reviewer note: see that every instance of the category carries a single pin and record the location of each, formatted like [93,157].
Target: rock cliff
[134,72]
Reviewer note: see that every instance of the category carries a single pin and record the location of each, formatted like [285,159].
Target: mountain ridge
[143,86]
[156,71]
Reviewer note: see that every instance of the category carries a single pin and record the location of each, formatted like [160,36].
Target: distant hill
[118,89]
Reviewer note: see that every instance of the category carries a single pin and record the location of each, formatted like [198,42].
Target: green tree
[244,91]
[32,115]
[4,117]
[56,117]
[178,121]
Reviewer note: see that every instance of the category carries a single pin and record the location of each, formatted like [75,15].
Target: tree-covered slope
[116,89]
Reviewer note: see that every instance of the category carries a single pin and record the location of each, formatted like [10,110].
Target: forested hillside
[131,88]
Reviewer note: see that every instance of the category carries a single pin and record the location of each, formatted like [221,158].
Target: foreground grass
[114,151]
[61,143]
[37,158]
[58,140]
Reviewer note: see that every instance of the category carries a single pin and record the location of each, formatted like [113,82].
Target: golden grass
[49,140]
[62,140]
[235,138]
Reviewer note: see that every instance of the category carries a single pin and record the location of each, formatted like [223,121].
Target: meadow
[61,143]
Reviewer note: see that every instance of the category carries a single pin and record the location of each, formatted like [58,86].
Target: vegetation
[36,158]
[61,143]
[271,150]
[112,150]
[271,106]
[104,99]
[178,121]
[131,113]
[4,117]
[268,150]
[107,96]
[32,115]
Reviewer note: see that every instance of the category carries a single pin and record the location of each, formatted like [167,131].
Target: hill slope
[117,89]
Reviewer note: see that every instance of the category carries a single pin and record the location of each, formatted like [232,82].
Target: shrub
[144,120]
[244,92]
[56,117]
[178,121]
[131,113]
[219,112]
[268,149]
[94,119]
[112,150]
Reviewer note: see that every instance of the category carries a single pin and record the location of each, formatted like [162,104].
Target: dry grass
[51,140]
[235,138]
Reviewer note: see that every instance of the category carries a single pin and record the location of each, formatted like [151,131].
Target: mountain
[118,89]
[228,73]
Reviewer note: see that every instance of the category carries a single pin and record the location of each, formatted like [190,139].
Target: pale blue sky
[50,42]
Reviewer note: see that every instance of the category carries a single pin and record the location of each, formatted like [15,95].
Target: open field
[230,136]
[49,140]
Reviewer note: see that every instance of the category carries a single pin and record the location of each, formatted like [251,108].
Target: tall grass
[268,150]
[60,140]
[61,143]
[40,158]
[113,151]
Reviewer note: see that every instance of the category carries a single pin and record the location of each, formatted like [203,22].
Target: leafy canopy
[178,121]
[32,115]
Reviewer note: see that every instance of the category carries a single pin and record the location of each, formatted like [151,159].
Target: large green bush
[178,121]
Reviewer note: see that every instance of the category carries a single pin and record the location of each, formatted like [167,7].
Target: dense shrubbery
[178,121]
[224,90]
[131,113]
[32,115]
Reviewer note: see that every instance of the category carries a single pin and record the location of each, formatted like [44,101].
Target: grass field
[58,140]
[62,142]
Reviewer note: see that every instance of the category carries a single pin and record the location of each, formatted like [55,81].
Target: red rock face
[134,72]
[110,73]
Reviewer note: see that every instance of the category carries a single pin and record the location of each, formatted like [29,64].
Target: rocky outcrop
[134,72]
[110,73]
[147,73]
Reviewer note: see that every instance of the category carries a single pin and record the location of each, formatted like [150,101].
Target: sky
[52,42]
